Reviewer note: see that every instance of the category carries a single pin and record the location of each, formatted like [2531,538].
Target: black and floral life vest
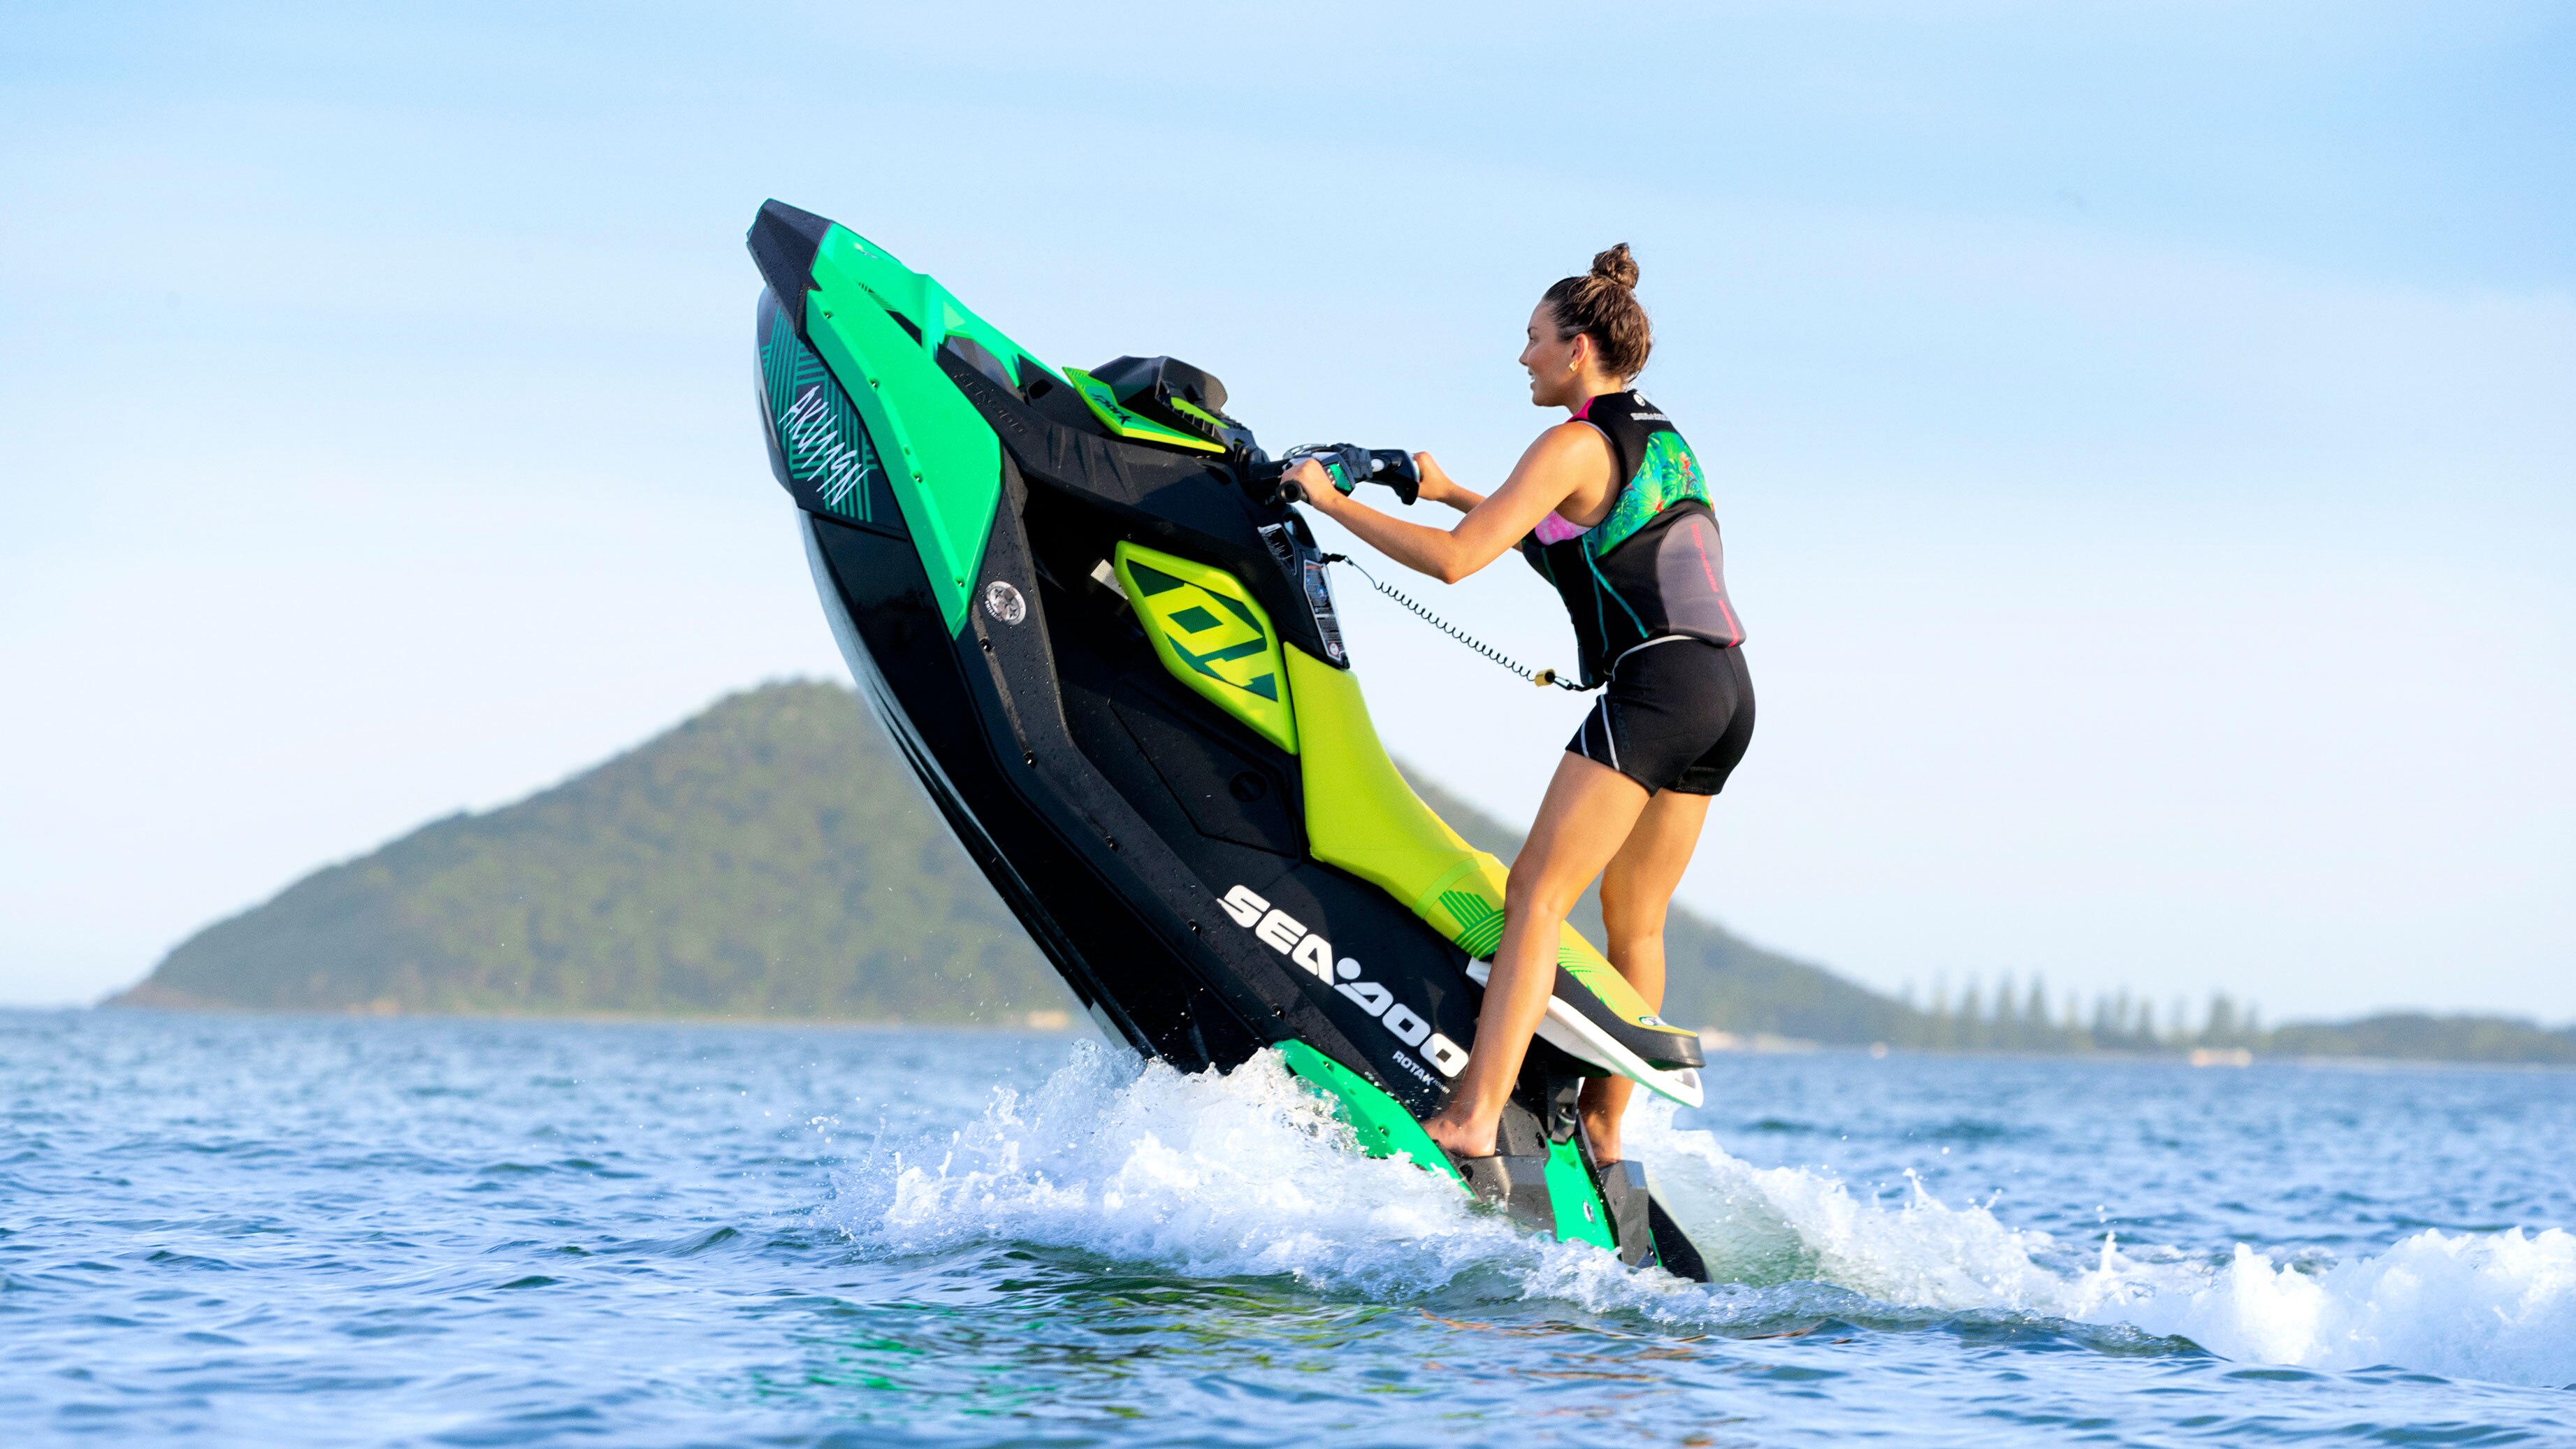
[1654,567]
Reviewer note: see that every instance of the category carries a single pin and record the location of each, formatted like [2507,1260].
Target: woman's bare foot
[1602,1131]
[1461,1138]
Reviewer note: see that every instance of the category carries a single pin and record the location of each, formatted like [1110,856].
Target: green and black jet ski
[1105,642]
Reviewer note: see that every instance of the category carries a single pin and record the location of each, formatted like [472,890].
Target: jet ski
[1097,628]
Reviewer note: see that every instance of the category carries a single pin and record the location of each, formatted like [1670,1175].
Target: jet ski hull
[1127,771]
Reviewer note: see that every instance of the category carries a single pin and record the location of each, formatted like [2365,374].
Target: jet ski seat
[1362,816]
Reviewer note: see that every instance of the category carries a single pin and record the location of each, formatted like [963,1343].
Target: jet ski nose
[783,241]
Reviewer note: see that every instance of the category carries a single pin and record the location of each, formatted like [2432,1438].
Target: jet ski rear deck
[1112,657]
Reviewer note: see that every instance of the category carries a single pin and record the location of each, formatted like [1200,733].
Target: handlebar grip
[1349,467]
[1266,480]
[1395,468]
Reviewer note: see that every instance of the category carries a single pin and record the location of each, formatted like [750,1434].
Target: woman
[1610,507]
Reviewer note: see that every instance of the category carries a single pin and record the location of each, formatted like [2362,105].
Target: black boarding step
[1631,1207]
[1517,1185]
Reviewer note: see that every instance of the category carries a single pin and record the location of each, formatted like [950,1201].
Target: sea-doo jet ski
[1103,638]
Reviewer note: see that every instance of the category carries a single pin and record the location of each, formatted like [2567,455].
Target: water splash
[1245,1173]
[2499,1306]
[1769,1225]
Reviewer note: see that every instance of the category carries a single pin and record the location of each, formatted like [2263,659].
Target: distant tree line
[2014,1017]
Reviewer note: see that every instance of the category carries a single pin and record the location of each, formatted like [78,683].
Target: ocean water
[293,1231]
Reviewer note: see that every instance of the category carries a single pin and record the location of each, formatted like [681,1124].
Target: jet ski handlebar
[1349,466]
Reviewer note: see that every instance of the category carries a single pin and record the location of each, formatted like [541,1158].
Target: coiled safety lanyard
[1540,677]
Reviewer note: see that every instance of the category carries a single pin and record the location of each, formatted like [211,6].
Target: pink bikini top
[1553,529]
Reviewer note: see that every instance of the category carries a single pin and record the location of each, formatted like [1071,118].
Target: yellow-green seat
[1361,815]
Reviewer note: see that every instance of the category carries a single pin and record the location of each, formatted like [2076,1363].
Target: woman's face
[1554,367]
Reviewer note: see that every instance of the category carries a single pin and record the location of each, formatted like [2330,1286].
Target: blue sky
[2141,429]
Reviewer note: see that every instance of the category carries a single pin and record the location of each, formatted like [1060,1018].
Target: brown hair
[1602,304]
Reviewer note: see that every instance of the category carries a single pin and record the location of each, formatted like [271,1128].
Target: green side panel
[1383,1127]
[1363,817]
[1214,423]
[1205,423]
[945,464]
[1106,407]
[919,299]
[1581,1217]
[1212,636]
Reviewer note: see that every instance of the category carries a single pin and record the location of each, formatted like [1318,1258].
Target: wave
[1247,1174]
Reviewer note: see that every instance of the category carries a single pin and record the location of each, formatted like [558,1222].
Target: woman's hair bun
[1615,266]
[1602,304]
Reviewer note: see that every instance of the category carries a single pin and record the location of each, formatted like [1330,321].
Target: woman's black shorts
[1677,716]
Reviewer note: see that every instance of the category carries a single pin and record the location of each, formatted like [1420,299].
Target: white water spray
[1248,1174]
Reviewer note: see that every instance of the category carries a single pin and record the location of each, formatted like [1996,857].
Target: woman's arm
[1568,460]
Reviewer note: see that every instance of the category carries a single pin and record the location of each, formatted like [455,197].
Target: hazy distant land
[772,858]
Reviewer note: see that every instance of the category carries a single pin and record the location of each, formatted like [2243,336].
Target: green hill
[771,857]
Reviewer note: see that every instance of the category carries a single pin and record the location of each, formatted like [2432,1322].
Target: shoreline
[1063,1023]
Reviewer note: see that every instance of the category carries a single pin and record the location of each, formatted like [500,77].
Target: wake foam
[1248,1174]
[2496,1306]
[2499,1306]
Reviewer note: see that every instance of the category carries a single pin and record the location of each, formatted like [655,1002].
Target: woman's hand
[1437,486]
[1317,484]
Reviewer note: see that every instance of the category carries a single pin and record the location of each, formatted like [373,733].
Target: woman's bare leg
[1636,891]
[1587,813]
